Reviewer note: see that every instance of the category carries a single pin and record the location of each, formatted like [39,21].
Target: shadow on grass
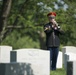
[58,72]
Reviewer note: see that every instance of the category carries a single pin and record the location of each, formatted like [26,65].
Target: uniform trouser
[53,57]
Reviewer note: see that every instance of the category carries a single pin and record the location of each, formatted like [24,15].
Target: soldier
[52,30]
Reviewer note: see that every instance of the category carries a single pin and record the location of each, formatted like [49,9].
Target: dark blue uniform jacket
[52,36]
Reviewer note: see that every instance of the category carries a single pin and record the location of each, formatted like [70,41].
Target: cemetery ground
[58,72]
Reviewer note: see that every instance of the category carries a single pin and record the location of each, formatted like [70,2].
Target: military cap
[51,13]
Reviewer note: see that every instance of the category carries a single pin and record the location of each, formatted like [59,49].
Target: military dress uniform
[52,42]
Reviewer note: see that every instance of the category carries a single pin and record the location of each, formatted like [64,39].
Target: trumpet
[47,28]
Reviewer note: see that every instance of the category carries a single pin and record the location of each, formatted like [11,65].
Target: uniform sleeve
[47,29]
[59,30]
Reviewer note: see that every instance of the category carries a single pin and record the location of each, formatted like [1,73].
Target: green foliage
[17,41]
[33,13]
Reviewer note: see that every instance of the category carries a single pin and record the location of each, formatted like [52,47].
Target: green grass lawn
[58,72]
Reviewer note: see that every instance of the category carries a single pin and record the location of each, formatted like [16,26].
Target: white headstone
[39,59]
[5,54]
[69,57]
[67,49]
[59,60]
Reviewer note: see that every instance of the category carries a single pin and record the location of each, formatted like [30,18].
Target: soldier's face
[51,18]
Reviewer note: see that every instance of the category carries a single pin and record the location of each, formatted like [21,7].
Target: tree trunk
[4,16]
[21,10]
[42,40]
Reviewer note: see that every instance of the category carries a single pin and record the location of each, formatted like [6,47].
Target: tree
[4,16]
[27,17]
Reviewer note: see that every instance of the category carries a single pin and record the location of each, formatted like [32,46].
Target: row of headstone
[69,54]
[69,59]
[35,57]
[26,61]
[6,56]
[67,49]
[33,61]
